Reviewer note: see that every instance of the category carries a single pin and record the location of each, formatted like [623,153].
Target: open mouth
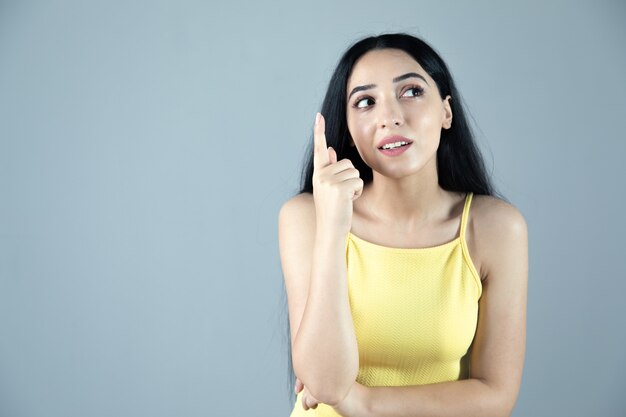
[395,145]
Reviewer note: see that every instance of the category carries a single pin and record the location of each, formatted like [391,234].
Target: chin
[398,173]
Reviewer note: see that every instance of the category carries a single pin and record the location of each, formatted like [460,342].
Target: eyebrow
[395,80]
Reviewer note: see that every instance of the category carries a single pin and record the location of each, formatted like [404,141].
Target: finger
[358,190]
[320,153]
[344,165]
[299,385]
[309,402]
[346,175]
[332,155]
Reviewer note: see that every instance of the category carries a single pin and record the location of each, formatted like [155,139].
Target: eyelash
[419,92]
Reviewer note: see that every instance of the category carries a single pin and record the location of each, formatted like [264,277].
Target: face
[389,94]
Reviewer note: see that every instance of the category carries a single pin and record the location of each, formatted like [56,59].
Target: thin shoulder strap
[466,208]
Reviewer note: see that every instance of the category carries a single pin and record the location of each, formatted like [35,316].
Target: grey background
[146,148]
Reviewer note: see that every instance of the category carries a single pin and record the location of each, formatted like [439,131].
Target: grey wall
[146,147]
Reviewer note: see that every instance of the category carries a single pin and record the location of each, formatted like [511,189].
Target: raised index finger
[320,151]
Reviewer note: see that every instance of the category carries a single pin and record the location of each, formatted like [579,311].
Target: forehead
[380,65]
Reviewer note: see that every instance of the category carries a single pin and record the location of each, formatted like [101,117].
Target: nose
[389,115]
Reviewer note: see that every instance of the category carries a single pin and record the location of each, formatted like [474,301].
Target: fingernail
[317,118]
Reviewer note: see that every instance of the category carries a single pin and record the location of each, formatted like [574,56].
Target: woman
[402,301]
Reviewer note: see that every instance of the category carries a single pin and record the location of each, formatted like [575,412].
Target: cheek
[428,117]
[428,121]
[360,129]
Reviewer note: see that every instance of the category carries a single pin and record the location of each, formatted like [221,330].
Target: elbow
[504,409]
[501,400]
[327,387]
[508,398]
[330,394]
[507,405]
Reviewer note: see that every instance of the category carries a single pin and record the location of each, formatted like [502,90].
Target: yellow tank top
[415,312]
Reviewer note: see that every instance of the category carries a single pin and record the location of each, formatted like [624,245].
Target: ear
[447,120]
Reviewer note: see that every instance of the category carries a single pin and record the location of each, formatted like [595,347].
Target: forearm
[464,398]
[325,354]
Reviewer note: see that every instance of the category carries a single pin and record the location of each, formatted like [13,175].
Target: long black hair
[460,165]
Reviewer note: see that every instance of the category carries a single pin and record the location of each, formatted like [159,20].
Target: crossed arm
[497,357]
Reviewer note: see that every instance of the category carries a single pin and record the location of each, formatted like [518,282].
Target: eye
[415,91]
[361,103]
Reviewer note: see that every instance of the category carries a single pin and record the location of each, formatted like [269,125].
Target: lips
[392,139]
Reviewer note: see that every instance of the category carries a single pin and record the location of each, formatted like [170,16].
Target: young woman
[406,278]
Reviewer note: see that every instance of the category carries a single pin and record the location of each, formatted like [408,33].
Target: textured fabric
[415,312]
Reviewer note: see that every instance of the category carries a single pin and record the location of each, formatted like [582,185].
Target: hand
[308,401]
[335,184]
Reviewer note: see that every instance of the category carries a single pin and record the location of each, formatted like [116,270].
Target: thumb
[332,155]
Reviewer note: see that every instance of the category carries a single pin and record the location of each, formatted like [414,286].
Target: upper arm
[296,236]
[499,345]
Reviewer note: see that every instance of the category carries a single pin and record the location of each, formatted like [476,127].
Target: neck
[408,202]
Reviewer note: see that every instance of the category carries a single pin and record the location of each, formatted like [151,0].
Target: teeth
[394,145]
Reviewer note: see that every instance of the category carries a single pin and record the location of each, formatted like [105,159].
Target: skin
[405,207]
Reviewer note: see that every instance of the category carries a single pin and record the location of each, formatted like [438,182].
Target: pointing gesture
[336,184]
[321,156]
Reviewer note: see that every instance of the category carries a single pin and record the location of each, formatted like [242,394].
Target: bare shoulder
[301,205]
[297,217]
[492,214]
[496,227]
